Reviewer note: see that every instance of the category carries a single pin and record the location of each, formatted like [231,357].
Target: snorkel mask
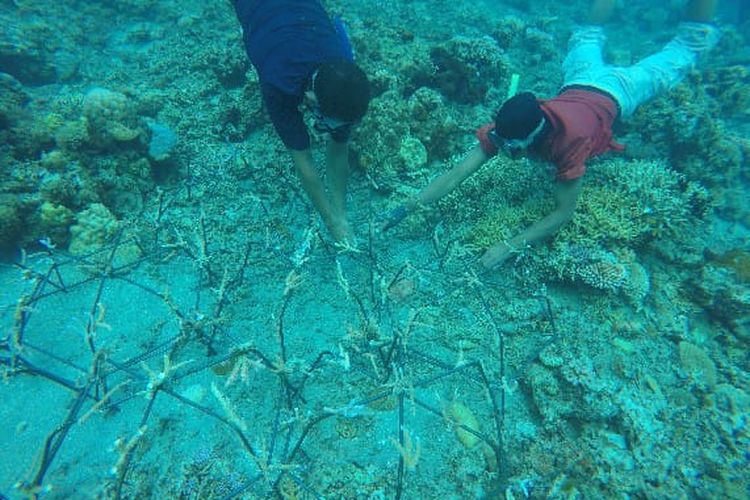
[323,123]
[513,147]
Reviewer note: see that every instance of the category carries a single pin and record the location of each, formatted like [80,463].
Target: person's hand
[496,255]
[394,217]
[342,233]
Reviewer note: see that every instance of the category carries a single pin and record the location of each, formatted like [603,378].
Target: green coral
[736,260]
[72,136]
[432,123]
[629,202]
[54,222]
[52,215]
[730,86]
[501,185]
[722,291]
[698,364]
[94,227]
[11,224]
[505,222]
[378,155]
[54,160]
[413,153]
[110,117]
[12,98]
[464,67]
[508,31]
[689,125]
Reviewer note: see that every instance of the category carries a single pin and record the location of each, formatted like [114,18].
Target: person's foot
[700,11]
[342,233]
[601,10]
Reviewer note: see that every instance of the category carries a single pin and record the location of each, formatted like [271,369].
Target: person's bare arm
[313,186]
[451,179]
[440,186]
[566,198]
[337,175]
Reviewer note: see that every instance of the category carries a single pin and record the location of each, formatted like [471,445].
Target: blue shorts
[630,86]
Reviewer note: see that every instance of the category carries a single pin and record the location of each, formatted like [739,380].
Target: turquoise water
[177,323]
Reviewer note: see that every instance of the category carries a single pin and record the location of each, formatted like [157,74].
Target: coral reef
[432,122]
[418,131]
[699,126]
[54,223]
[12,98]
[26,53]
[625,335]
[698,365]
[94,227]
[77,152]
[632,202]
[109,117]
[413,153]
[11,221]
[463,68]
[602,270]
[723,291]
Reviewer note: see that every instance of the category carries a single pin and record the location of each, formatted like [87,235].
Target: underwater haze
[176,321]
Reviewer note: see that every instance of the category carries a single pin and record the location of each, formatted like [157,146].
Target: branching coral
[600,269]
[630,202]
[515,191]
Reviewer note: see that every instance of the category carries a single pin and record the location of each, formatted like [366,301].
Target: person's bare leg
[700,11]
[337,175]
[601,10]
[313,186]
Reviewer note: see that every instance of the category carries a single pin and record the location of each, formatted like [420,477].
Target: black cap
[518,117]
[342,90]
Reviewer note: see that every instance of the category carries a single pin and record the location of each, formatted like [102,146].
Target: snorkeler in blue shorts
[304,61]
